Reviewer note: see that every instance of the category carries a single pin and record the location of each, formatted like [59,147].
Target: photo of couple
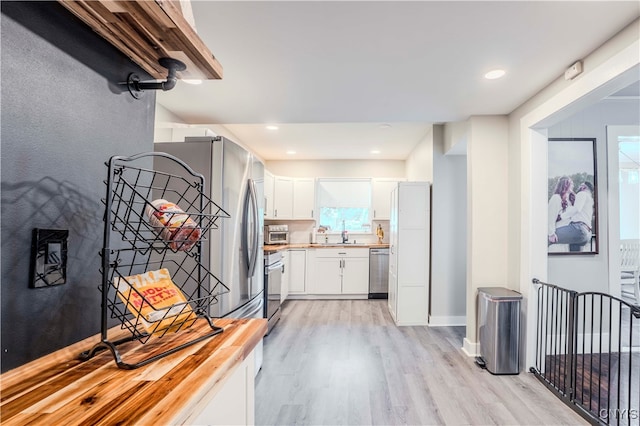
[572,195]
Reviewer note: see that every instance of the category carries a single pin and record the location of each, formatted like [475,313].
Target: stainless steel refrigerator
[234,178]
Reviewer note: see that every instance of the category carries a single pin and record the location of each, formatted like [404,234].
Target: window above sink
[344,205]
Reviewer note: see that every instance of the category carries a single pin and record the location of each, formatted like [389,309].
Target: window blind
[354,193]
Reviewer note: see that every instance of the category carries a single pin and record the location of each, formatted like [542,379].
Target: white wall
[590,272]
[448,235]
[168,127]
[611,67]
[420,160]
[164,122]
[456,136]
[486,212]
[337,168]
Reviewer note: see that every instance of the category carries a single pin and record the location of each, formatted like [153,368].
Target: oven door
[278,237]
[273,285]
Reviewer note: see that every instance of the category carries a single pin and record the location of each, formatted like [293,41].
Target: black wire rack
[143,240]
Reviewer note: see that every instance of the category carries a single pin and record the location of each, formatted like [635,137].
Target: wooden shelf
[147,30]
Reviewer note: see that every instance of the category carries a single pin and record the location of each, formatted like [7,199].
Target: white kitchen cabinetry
[381,198]
[355,274]
[303,198]
[297,263]
[330,279]
[409,253]
[341,272]
[269,194]
[234,403]
[286,276]
[283,198]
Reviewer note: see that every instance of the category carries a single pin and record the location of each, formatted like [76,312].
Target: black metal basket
[149,239]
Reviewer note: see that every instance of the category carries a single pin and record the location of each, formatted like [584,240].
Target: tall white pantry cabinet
[409,253]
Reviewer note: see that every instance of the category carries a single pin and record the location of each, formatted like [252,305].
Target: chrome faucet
[345,236]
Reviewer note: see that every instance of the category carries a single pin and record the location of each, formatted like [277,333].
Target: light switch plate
[48,257]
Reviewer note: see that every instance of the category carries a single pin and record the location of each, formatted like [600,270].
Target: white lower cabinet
[329,275]
[286,276]
[393,293]
[234,401]
[355,275]
[341,272]
[297,264]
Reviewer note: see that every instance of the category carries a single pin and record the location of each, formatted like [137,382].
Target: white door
[303,198]
[355,276]
[328,275]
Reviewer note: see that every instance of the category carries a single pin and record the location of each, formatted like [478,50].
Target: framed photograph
[573,205]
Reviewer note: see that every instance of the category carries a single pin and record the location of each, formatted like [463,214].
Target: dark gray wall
[63,116]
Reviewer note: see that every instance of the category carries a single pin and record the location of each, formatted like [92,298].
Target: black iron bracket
[137,87]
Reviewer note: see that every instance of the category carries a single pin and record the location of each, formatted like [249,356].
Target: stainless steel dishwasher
[378,273]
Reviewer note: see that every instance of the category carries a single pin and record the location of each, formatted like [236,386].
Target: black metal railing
[588,353]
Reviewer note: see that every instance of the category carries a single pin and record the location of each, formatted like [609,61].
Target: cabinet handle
[275,212]
[374,214]
[311,212]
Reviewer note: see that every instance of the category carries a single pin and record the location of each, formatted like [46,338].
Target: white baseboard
[444,321]
[411,323]
[295,296]
[470,348]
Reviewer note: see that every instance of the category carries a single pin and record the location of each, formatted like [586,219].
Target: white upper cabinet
[288,198]
[269,196]
[283,198]
[381,198]
[303,198]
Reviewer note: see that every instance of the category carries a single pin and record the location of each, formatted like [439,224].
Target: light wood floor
[339,362]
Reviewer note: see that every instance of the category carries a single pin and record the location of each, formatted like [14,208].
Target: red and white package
[173,224]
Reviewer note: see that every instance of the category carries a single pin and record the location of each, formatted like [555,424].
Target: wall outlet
[48,257]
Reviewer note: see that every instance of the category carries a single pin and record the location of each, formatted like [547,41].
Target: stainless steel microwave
[276,234]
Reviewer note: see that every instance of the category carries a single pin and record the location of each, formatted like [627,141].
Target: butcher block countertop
[59,389]
[276,247]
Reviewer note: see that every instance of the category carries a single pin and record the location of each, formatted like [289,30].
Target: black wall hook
[137,87]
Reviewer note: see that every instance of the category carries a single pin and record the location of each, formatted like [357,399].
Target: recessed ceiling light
[385,126]
[290,152]
[493,74]
[375,151]
[192,81]
[272,127]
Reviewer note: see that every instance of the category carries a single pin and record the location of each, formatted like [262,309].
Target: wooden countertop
[277,247]
[59,389]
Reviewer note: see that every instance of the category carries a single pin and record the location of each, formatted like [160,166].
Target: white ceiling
[330,73]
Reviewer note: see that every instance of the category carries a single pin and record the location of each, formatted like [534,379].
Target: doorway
[624,199]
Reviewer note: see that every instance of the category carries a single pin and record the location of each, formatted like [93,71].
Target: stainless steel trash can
[499,329]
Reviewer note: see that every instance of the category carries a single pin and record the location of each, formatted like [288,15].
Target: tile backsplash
[300,232]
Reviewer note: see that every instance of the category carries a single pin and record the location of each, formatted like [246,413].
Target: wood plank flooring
[344,362]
